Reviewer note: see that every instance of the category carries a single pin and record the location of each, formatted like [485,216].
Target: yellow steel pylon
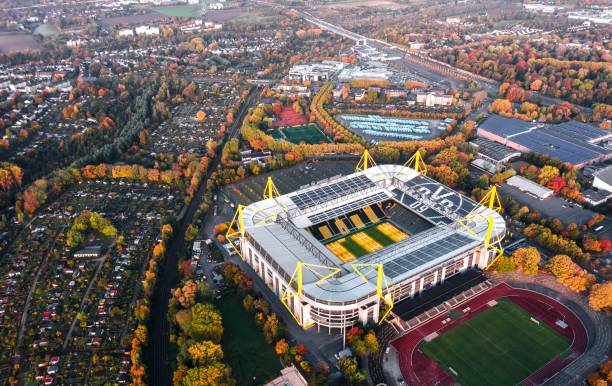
[380,282]
[296,278]
[365,162]
[417,163]
[232,233]
[493,245]
[490,200]
[270,190]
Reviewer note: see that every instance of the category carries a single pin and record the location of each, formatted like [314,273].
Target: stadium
[347,249]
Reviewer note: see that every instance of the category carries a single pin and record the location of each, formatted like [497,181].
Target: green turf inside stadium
[309,134]
[357,250]
[499,346]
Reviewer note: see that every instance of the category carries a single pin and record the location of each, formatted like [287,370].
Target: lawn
[184,11]
[244,346]
[499,346]
[309,134]
[366,241]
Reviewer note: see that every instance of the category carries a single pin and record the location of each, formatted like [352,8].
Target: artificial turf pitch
[498,346]
[309,134]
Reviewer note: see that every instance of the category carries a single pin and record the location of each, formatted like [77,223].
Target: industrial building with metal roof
[573,142]
[437,233]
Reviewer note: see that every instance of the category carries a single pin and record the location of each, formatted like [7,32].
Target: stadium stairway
[385,333]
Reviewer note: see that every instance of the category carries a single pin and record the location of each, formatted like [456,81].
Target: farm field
[501,345]
[366,241]
[309,134]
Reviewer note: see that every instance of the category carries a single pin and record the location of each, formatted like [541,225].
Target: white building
[532,188]
[146,30]
[315,72]
[126,32]
[288,240]
[602,179]
[434,98]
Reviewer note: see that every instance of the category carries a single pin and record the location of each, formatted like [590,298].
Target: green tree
[217,374]
[206,323]
[350,370]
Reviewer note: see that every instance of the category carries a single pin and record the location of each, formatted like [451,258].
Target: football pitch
[366,241]
[309,134]
[499,346]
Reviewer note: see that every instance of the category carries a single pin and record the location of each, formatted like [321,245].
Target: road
[156,354]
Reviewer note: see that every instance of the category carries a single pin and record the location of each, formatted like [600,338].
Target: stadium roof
[278,228]
[573,141]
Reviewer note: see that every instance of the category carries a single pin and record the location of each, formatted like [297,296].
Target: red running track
[418,369]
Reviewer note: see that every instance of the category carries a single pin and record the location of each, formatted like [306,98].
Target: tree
[206,323]
[271,328]
[600,296]
[505,264]
[205,353]
[527,260]
[217,374]
[281,348]
[350,370]
[191,232]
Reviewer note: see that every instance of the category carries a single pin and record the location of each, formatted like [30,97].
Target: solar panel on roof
[425,254]
[332,191]
[343,209]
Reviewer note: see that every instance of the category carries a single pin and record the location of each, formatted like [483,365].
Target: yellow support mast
[365,162]
[232,233]
[380,282]
[493,245]
[417,163]
[270,190]
[296,278]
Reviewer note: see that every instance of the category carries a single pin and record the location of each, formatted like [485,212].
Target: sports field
[309,134]
[366,241]
[499,346]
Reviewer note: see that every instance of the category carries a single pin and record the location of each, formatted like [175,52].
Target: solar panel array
[568,141]
[343,209]
[425,254]
[332,191]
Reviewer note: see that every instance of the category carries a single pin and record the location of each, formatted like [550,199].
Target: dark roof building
[573,142]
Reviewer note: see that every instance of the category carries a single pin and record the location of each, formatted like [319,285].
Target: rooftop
[574,142]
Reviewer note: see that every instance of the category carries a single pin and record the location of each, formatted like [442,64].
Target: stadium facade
[345,250]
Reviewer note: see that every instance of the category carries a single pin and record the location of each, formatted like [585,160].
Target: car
[52,370]
[48,380]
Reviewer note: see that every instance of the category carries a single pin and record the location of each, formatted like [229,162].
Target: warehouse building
[574,142]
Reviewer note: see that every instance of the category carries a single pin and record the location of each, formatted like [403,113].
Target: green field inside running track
[498,346]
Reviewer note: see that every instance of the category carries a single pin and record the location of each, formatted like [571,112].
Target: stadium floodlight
[415,162]
[365,162]
[270,190]
[380,282]
[296,279]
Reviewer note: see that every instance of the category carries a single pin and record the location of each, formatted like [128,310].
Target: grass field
[309,134]
[499,346]
[244,346]
[366,241]
[183,11]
